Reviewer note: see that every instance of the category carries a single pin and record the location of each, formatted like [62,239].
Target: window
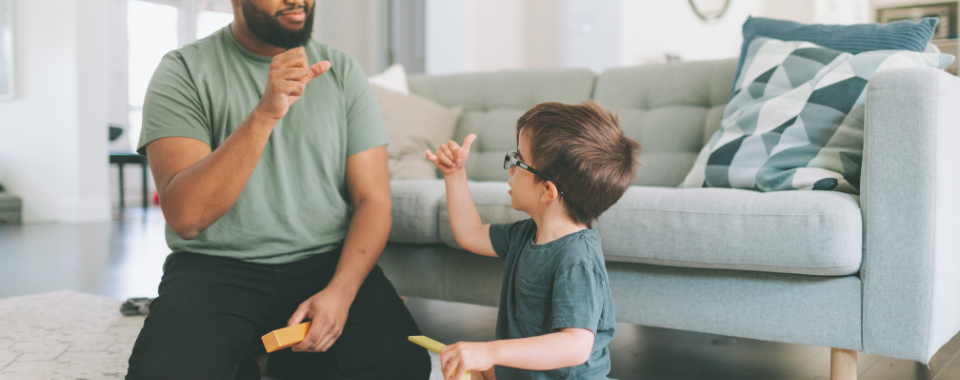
[155,27]
[211,21]
[151,33]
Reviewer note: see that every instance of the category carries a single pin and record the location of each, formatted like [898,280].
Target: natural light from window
[211,21]
[151,33]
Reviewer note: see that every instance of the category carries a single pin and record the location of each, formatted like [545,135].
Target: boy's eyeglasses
[510,160]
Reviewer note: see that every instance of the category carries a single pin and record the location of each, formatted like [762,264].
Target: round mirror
[709,10]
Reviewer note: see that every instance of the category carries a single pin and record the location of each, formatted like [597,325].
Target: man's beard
[268,29]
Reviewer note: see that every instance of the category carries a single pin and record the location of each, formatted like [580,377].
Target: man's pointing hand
[289,74]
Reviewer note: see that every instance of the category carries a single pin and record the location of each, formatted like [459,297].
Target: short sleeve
[502,235]
[172,106]
[365,128]
[577,298]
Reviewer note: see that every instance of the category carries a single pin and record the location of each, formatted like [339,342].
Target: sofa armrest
[910,196]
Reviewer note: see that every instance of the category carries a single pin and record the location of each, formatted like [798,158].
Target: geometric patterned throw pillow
[795,121]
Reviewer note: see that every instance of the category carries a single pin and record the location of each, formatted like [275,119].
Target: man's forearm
[545,352]
[199,195]
[369,229]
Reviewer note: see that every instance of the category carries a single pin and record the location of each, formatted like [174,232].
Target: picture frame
[7,79]
[946,12]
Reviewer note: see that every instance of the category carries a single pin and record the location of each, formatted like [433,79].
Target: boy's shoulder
[519,229]
[582,249]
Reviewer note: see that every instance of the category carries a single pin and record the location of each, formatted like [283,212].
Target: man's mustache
[292,10]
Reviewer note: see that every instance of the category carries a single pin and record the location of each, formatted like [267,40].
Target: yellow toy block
[434,346]
[288,336]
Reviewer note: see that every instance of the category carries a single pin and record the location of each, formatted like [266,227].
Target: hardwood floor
[123,259]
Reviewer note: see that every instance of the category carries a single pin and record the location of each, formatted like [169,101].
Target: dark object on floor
[11,208]
[121,158]
[136,306]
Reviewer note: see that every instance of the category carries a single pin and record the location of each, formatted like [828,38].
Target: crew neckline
[556,242]
[228,31]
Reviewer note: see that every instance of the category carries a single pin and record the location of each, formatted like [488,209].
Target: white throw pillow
[414,124]
[394,78]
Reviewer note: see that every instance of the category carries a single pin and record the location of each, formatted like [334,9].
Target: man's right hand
[289,74]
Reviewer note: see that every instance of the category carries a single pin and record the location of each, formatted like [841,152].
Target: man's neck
[251,43]
[553,224]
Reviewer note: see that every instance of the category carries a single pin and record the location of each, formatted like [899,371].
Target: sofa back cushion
[671,110]
[492,103]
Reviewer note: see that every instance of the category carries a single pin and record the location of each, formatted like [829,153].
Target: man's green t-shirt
[296,202]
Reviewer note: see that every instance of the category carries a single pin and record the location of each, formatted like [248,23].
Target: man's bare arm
[197,186]
[368,181]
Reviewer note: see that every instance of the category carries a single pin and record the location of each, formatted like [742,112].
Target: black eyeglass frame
[511,160]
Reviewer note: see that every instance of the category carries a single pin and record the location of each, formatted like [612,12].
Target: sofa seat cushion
[415,208]
[801,232]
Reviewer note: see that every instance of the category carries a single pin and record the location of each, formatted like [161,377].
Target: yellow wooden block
[427,343]
[282,338]
[434,346]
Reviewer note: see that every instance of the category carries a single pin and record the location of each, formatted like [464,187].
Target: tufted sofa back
[492,103]
[671,109]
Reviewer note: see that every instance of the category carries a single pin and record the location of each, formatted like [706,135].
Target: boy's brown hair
[583,148]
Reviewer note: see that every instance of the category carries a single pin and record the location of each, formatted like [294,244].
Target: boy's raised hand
[451,157]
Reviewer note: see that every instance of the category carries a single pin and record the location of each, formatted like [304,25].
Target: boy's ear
[548,192]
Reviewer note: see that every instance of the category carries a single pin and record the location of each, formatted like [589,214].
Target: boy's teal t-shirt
[296,202]
[548,287]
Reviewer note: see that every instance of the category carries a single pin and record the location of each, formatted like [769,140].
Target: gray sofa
[879,273]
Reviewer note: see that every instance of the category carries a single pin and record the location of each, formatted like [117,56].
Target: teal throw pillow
[796,121]
[853,39]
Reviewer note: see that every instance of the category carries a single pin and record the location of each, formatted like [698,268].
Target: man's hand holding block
[288,336]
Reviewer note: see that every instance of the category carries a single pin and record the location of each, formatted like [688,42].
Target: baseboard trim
[86,210]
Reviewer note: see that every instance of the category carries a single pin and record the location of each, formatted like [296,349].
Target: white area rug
[72,336]
[64,335]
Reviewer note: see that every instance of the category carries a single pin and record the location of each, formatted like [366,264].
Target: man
[269,156]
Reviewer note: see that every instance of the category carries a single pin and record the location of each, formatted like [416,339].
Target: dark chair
[121,158]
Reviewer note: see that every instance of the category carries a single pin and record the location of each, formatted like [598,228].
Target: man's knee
[413,364]
[182,339]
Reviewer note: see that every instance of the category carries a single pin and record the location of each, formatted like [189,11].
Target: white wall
[93,113]
[494,35]
[352,26]
[652,29]
[590,33]
[444,36]
[52,135]
[543,30]
[475,35]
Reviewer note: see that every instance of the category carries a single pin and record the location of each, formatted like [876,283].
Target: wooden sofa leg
[843,364]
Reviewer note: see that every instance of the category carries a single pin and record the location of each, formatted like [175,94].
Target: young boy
[556,310]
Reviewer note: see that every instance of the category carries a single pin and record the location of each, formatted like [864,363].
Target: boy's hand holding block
[288,336]
[434,346]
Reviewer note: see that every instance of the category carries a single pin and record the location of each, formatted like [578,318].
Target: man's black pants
[212,311]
